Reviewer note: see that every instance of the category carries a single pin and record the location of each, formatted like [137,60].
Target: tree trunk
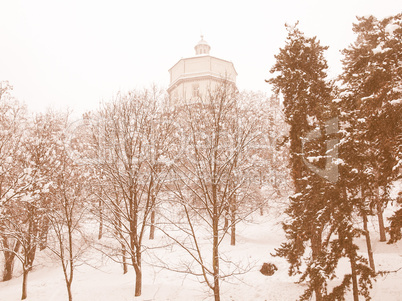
[262,199]
[68,277]
[43,234]
[368,243]
[123,246]
[316,250]
[71,260]
[381,221]
[216,292]
[233,227]
[9,257]
[354,279]
[233,211]
[138,281]
[70,295]
[123,250]
[119,232]
[215,248]
[152,229]
[226,214]
[226,225]
[135,244]
[8,268]
[24,284]
[351,254]
[31,258]
[100,220]
[215,260]
[138,272]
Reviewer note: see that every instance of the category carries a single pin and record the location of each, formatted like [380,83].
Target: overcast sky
[78,53]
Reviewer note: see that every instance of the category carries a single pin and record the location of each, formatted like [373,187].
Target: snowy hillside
[101,279]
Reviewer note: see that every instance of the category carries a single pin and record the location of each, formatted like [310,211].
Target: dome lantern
[202,47]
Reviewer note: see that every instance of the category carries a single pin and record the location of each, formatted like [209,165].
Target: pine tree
[372,78]
[321,211]
[301,79]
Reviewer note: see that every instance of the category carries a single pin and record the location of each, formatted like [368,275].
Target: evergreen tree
[301,79]
[320,211]
[372,81]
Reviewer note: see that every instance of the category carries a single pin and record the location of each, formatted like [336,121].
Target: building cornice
[199,76]
[204,56]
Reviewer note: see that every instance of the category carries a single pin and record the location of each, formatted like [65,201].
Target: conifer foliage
[372,106]
[300,77]
[320,212]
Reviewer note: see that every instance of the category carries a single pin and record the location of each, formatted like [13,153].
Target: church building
[191,78]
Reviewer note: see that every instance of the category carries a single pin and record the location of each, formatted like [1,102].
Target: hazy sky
[77,53]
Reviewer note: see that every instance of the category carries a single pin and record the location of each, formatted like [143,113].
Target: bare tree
[12,123]
[69,193]
[262,163]
[210,176]
[131,137]
[24,220]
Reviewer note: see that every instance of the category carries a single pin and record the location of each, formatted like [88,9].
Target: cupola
[202,47]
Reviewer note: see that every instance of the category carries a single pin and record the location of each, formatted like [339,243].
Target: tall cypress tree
[300,77]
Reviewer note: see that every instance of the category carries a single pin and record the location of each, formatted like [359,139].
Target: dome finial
[202,47]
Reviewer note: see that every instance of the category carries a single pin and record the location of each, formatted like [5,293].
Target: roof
[198,57]
[202,41]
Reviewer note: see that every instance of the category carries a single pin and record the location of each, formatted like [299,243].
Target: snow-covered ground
[103,280]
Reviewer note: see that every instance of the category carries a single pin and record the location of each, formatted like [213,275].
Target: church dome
[202,47]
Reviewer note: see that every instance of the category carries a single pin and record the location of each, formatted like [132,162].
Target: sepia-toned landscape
[230,175]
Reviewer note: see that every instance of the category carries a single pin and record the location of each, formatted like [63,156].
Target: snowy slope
[103,280]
